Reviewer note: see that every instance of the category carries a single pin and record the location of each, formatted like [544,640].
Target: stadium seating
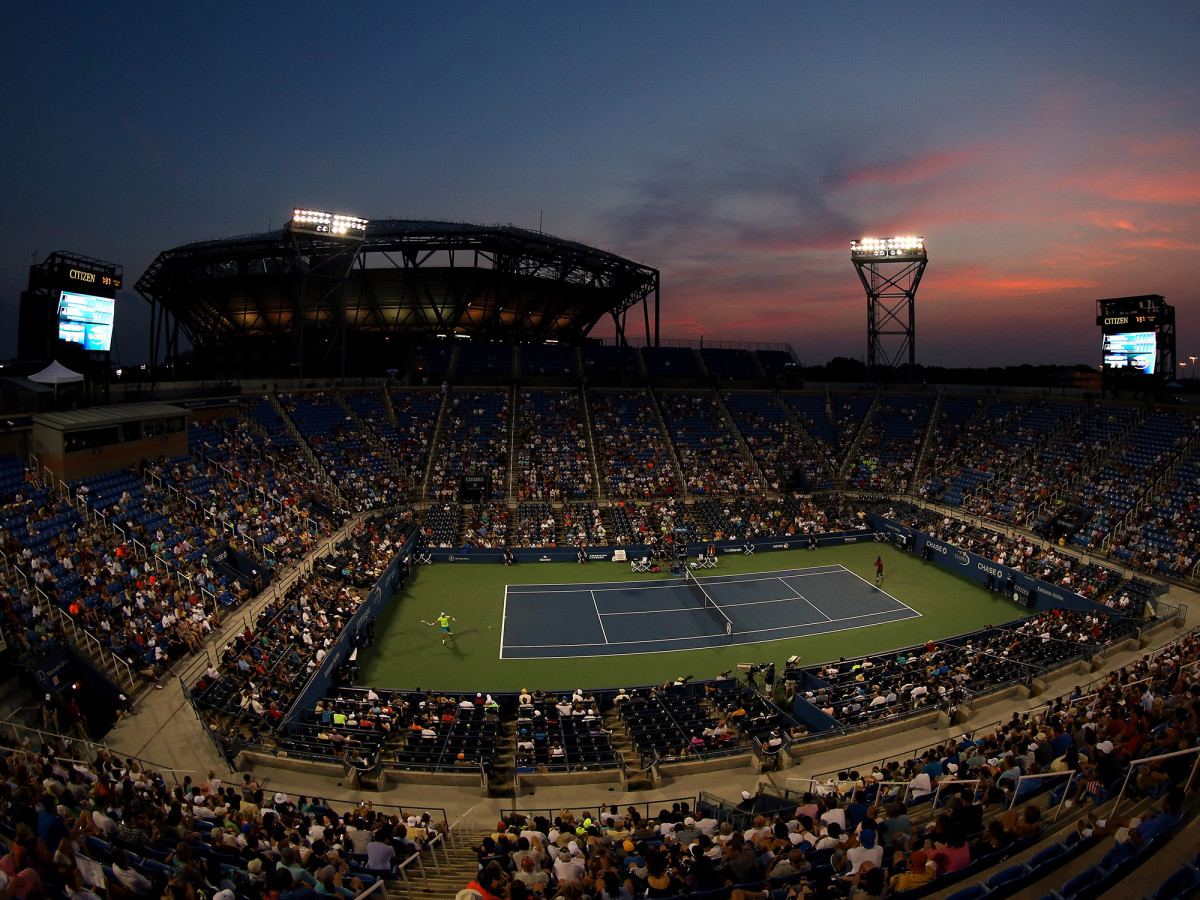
[632,455]
[709,453]
[473,440]
[552,461]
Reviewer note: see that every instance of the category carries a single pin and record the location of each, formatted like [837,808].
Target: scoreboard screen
[1132,352]
[86,319]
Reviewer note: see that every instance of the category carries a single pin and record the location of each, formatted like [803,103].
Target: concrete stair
[636,779]
[463,864]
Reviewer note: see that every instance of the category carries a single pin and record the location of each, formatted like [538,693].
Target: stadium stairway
[593,456]
[620,739]
[435,437]
[500,781]
[852,452]
[303,446]
[814,450]
[668,443]
[927,445]
[367,429]
[454,876]
[389,408]
[743,450]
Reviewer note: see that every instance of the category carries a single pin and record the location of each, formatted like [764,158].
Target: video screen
[86,319]
[1131,352]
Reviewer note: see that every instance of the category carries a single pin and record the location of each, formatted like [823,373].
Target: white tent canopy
[56,373]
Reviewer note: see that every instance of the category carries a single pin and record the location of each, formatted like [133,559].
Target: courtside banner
[1028,589]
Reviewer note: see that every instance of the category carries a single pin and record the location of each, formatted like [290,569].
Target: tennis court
[558,621]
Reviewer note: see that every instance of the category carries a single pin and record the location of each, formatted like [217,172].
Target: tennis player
[443,621]
[878,569]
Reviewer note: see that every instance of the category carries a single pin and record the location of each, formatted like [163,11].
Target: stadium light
[906,247]
[327,224]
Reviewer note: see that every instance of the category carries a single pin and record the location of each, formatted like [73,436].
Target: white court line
[830,569]
[689,649]
[689,608]
[800,596]
[665,640]
[771,576]
[599,617]
[651,612]
[885,593]
[503,619]
[778,575]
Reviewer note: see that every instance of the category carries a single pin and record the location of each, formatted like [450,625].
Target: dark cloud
[735,195]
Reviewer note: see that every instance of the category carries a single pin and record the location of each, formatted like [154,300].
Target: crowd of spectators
[258,491]
[145,613]
[553,463]
[889,443]
[941,674]
[632,454]
[364,472]
[866,835]
[563,733]
[258,671]
[776,443]
[81,828]
[473,440]
[1046,561]
[706,443]
[786,517]
[536,526]
[370,547]
[488,525]
[821,847]
[583,524]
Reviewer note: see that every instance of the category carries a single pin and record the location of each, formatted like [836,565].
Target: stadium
[402,537]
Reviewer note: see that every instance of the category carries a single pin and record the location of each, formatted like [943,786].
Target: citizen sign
[82,276]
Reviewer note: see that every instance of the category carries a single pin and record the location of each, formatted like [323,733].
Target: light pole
[1193,359]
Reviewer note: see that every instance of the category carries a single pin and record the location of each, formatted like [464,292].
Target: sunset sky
[1049,153]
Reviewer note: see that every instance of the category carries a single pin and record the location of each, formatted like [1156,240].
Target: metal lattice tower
[890,270]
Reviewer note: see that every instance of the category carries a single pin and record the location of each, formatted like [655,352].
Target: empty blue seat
[970,892]
[1010,876]
[1183,882]
[1083,882]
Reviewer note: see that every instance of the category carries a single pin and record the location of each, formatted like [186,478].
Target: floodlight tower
[890,270]
[326,245]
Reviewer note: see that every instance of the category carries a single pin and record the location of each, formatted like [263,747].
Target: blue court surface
[558,621]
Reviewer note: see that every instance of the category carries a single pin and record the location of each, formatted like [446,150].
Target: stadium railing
[1189,783]
[1038,782]
[121,669]
[600,806]
[998,723]
[42,738]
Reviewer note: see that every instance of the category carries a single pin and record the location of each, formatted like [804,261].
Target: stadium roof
[107,415]
[406,277]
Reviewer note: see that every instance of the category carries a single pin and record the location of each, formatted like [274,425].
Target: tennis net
[701,596]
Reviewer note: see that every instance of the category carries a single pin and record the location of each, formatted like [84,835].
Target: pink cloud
[914,169]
